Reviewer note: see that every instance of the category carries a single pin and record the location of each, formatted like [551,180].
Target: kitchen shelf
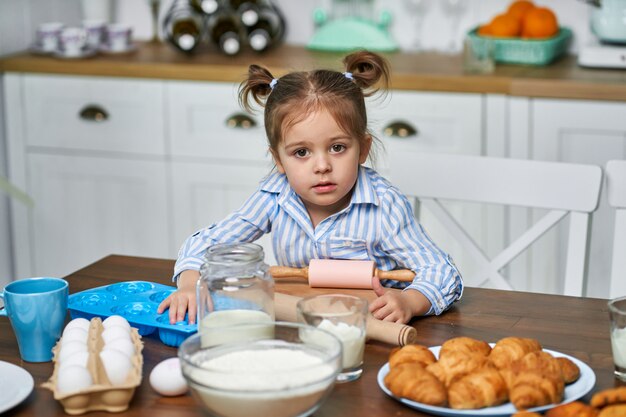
[410,71]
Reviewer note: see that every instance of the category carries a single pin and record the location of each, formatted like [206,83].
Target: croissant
[456,364]
[537,361]
[466,344]
[482,388]
[510,349]
[411,353]
[573,409]
[525,413]
[608,397]
[413,381]
[569,369]
[534,389]
[615,410]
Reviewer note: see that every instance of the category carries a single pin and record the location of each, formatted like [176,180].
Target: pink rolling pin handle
[405,275]
[288,272]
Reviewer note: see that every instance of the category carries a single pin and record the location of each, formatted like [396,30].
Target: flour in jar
[267,369]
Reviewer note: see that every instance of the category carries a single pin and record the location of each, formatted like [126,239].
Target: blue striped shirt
[378,224]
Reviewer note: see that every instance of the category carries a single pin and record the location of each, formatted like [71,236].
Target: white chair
[616,187]
[561,188]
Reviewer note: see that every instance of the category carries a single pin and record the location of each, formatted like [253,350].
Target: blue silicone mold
[137,302]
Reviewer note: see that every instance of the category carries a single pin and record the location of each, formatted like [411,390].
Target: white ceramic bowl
[287,372]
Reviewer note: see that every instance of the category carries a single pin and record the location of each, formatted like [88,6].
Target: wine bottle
[247,10]
[268,30]
[205,6]
[224,31]
[183,26]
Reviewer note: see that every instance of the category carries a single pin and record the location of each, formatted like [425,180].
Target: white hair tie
[348,75]
[273,83]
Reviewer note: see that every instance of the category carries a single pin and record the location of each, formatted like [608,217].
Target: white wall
[19,19]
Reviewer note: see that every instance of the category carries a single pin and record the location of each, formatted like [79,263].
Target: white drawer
[200,113]
[133,107]
[443,122]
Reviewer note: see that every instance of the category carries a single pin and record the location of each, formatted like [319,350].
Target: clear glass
[234,287]
[345,317]
[478,57]
[617,313]
[454,11]
[417,9]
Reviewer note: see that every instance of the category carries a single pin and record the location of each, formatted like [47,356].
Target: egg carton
[102,395]
[137,302]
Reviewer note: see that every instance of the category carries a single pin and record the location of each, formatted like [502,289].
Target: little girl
[322,202]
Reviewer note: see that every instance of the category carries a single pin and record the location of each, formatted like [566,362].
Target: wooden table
[572,325]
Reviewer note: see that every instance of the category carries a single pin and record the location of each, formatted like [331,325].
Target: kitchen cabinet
[91,153]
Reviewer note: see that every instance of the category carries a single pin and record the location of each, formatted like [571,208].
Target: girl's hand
[397,306]
[182,300]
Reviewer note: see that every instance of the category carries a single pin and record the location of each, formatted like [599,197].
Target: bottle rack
[227,25]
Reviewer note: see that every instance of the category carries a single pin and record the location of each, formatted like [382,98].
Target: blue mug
[36,308]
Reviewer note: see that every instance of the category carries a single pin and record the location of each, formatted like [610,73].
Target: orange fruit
[484,30]
[505,25]
[540,22]
[519,8]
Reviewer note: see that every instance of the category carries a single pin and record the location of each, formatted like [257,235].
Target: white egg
[116,365]
[73,378]
[122,345]
[75,359]
[115,332]
[75,334]
[116,321]
[167,378]
[80,323]
[69,349]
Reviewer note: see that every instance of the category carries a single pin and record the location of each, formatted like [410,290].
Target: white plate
[574,391]
[15,385]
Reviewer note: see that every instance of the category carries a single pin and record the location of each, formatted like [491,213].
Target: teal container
[523,51]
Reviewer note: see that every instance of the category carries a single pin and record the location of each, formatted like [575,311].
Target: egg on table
[167,378]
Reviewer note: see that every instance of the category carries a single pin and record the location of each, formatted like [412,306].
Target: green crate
[522,51]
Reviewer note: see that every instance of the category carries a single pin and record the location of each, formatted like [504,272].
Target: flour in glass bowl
[262,380]
[267,370]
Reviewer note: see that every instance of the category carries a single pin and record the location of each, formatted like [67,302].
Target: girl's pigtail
[368,69]
[256,87]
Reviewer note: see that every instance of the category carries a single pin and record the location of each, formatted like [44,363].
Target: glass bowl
[271,369]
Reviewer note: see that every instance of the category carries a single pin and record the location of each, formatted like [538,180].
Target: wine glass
[454,9]
[418,9]
[155,6]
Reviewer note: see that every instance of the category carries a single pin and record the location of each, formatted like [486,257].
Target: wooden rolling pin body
[336,273]
[383,331]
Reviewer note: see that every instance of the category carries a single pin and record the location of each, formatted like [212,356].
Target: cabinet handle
[94,113]
[400,129]
[240,121]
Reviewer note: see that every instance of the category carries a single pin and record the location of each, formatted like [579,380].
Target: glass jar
[235,287]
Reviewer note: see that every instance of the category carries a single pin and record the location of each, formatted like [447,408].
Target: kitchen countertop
[410,71]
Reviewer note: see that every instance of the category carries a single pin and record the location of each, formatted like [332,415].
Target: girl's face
[321,163]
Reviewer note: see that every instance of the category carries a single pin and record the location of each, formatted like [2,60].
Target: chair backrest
[616,188]
[561,188]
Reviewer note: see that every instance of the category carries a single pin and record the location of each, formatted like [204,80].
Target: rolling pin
[341,273]
[383,331]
